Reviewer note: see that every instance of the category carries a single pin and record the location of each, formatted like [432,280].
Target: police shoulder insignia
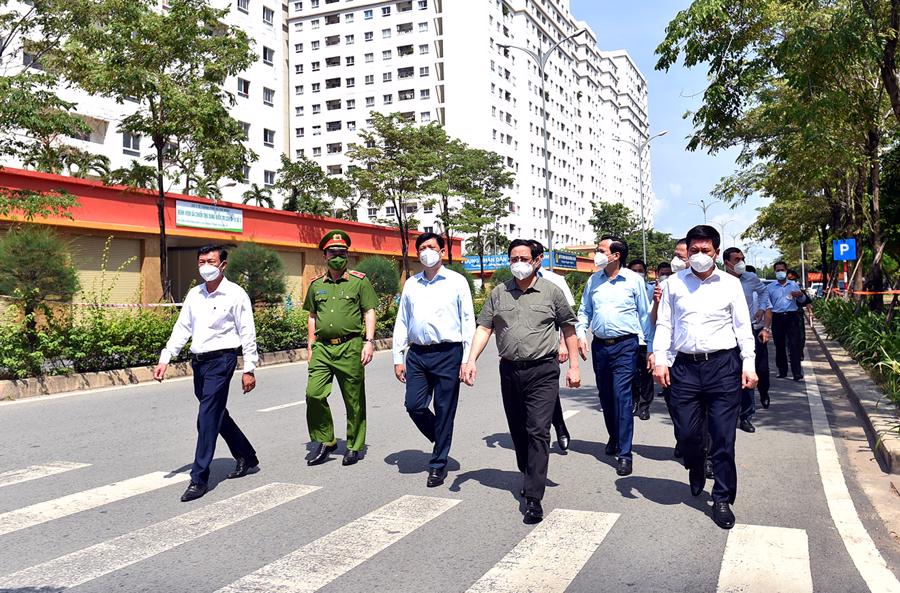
[357,274]
[318,277]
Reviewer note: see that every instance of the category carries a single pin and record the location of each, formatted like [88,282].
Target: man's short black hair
[663,266]
[535,250]
[537,244]
[617,245]
[223,253]
[726,255]
[751,269]
[703,232]
[681,241]
[780,263]
[637,262]
[428,237]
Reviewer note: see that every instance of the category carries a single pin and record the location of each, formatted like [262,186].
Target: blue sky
[679,176]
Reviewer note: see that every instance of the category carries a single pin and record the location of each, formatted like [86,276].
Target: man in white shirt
[435,322]
[218,319]
[703,317]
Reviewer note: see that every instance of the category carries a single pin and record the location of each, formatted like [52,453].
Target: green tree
[611,218]
[450,179]
[303,184]
[36,266]
[171,65]
[382,273]
[259,196]
[259,271]
[135,175]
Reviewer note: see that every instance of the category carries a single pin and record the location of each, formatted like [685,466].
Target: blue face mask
[780,275]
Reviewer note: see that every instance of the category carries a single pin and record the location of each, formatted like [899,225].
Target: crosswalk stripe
[318,563]
[103,558]
[33,472]
[569,413]
[549,557]
[86,500]
[283,406]
[762,559]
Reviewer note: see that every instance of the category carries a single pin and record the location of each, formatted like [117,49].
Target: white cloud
[675,190]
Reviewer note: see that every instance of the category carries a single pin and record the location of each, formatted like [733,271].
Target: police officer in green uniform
[341,307]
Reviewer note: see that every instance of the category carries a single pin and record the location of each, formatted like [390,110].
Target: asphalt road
[90,486]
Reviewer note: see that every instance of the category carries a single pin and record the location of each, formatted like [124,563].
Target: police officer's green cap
[335,238]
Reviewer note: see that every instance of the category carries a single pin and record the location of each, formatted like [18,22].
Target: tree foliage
[259,271]
[382,273]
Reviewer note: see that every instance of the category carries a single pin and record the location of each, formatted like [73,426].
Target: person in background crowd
[783,295]
[802,305]
[642,388]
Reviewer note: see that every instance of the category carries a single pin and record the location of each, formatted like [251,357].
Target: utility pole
[703,205]
[640,153]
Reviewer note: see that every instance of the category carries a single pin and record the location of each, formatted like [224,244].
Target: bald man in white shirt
[704,318]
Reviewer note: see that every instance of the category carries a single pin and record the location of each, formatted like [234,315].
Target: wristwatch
[369,340]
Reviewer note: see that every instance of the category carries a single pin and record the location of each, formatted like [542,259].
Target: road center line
[283,406]
[865,555]
[761,559]
[569,413]
[33,472]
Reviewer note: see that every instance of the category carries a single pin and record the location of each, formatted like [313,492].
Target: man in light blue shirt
[435,322]
[616,311]
[785,322]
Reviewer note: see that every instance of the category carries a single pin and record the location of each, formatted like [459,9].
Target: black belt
[616,340]
[787,312]
[440,346]
[701,356]
[204,356]
[524,364]
[341,340]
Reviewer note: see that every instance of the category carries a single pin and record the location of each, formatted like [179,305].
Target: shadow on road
[218,469]
[413,461]
[662,491]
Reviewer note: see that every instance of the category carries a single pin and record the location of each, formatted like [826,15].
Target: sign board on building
[204,216]
[844,249]
[562,260]
[491,262]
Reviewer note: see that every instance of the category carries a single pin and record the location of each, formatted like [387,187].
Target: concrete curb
[37,386]
[879,417]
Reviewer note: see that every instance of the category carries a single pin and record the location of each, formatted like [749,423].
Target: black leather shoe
[563,441]
[436,477]
[350,457]
[644,414]
[746,426]
[534,512]
[320,454]
[781,376]
[623,467]
[722,515]
[677,452]
[611,448]
[798,378]
[193,492]
[764,400]
[244,467]
[634,410]
[708,469]
[697,480]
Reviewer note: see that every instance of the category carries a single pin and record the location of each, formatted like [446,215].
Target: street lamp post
[704,206]
[640,152]
[541,59]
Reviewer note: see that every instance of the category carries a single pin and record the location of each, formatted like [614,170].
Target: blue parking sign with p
[844,249]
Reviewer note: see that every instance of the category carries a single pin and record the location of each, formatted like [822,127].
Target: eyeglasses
[515,260]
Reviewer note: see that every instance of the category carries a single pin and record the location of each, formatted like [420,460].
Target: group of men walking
[698,332]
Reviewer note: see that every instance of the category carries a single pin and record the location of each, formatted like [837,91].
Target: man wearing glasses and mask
[341,342]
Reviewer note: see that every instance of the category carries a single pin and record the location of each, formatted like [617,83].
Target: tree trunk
[875,281]
[823,252]
[889,60]
[445,214]
[161,214]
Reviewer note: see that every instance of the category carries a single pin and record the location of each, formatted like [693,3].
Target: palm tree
[262,196]
[135,175]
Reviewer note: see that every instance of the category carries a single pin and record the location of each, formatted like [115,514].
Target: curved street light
[640,152]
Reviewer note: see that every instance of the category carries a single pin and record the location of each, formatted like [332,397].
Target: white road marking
[549,557]
[569,413]
[82,501]
[103,558]
[283,406]
[33,472]
[868,560]
[761,559]
[320,562]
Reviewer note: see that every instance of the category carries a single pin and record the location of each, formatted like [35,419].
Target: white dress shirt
[560,283]
[697,316]
[434,311]
[223,319]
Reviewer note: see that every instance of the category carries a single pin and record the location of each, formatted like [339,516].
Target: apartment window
[298,6]
[298,26]
[332,19]
[333,61]
[268,97]
[299,153]
[423,4]
[351,103]
[351,82]
[386,55]
[243,5]
[425,94]
[348,18]
[298,89]
[411,208]
[404,73]
[385,33]
[298,68]
[370,101]
[386,77]
[425,116]
[405,50]
[269,137]
[246,128]
[315,45]
[373,212]
[351,125]
[268,15]
[131,144]
[315,67]
[298,110]
[298,48]
[316,87]
[317,151]
[427,208]
[314,23]
[348,39]
[333,126]
[317,130]
[390,211]
[332,40]
[404,28]
[243,87]
[406,95]
[388,98]
[350,60]
[268,178]
[333,104]
[370,79]
[245,173]
[268,56]
[423,49]
[369,36]
[423,71]
[423,27]
[335,169]
[370,58]
[317,108]
[386,11]
[299,132]
[367,14]
[404,6]
[313,3]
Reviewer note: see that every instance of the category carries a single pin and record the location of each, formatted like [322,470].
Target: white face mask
[740,268]
[521,270]
[601,260]
[677,264]
[700,262]
[429,258]
[209,272]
